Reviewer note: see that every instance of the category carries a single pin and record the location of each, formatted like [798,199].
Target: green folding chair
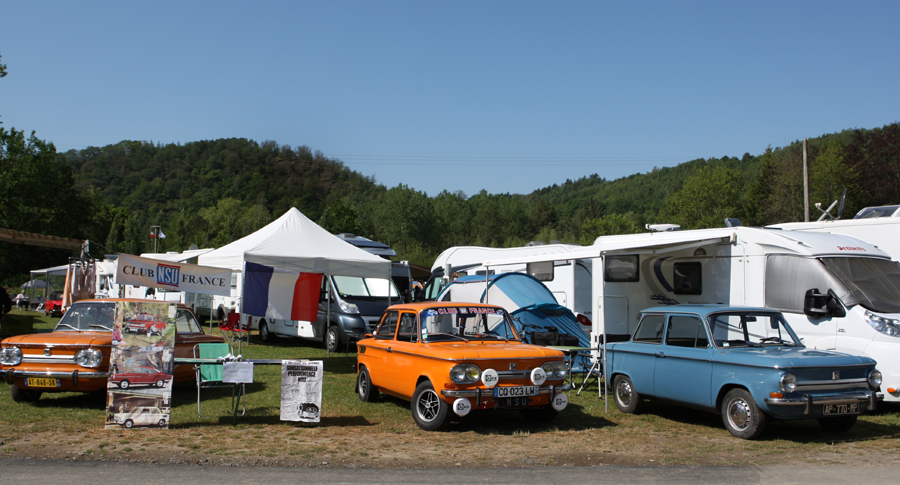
[210,375]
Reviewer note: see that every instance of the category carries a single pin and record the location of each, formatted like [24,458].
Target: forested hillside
[209,193]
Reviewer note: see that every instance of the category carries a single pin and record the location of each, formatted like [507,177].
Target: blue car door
[638,357]
[683,370]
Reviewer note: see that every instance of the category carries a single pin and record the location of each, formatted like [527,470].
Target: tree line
[209,193]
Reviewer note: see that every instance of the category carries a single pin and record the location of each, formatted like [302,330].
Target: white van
[877,225]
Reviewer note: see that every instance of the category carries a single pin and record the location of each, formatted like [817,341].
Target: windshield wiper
[67,325]
[449,335]
[777,340]
[97,325]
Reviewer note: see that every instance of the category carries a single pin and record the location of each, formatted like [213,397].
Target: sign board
[301,390]
[237,372]
[138,271]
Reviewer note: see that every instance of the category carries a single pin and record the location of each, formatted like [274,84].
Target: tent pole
[327,314]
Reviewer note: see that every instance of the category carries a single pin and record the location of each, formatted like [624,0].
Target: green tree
[341,216]
[829,176]
[608,225]
[706,199]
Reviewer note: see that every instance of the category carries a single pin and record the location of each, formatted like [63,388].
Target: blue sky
[497,95]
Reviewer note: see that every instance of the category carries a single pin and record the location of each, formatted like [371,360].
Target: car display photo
[461,357]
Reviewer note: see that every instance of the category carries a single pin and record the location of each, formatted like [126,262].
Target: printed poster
[139,392]
[301,390]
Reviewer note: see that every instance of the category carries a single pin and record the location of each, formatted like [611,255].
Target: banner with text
[138,271]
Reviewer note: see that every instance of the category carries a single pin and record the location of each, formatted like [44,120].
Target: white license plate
[516,391]
[842,408]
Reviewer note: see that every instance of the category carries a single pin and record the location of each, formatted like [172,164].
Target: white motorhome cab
[877,225]
[568,279]
[838,292]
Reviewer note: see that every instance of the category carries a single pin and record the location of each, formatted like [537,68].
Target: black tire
[162,423]
[741,416]
[264,333]
[367,392]
[24,395]
[627,399]
[429,411]
[124,384]
[220,315]
[332,339]
[129,423]
[543,414]
[839,424]
[160,383]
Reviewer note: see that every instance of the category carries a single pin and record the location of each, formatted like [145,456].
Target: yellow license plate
[41,382]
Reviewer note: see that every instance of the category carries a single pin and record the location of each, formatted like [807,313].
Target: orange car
[75,355]
[460,356]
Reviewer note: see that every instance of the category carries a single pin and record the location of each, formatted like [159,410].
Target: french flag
[283,295]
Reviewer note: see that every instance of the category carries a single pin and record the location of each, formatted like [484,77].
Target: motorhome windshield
[356,287]
[874,283]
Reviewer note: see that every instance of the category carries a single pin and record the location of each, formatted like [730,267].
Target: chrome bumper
[74,375]
[479,393]
[808,400]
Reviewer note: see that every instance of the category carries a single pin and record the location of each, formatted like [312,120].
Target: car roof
[419,306]
[131,300]
[705,309]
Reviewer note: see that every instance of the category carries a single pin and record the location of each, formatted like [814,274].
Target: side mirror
[822,305]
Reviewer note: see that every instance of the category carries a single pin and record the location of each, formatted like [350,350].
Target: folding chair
[210,375]
[234,331]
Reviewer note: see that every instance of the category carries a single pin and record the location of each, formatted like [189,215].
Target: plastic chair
[234,331]
[210,375]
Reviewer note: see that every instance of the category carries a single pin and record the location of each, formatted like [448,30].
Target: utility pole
[805,185]
[155,234]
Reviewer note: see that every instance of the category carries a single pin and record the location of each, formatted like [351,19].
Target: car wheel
[129,423]
[162,423]
[741,415]
[839,424]
[332,339]
[160,383]
[429,411]
[264,334]
[627,399]
[367,392]
[24,395]
[543,414]
[124,384]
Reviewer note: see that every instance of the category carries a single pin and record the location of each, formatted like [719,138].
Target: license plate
[513,402]
[842,408]
[41,382]
[515,391]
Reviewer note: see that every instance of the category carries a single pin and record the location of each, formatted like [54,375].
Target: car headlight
[88,357]
[10,356]
[465,373]
[788,382]
[555,370]
[348,307]
[887,326]
[875,378]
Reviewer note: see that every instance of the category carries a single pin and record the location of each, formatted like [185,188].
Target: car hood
[788,357]
[56,339]
[487,350]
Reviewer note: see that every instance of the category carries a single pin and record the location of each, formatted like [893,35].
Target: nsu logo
[168,275]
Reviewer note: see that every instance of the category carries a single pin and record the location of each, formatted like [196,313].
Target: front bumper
[809,400]
[479,393]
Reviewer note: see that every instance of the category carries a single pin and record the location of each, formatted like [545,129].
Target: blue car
[745,363]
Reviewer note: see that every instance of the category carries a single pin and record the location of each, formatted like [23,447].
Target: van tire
[332,339]
[264,333]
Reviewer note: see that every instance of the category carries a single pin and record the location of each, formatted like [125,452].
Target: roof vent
[663,227]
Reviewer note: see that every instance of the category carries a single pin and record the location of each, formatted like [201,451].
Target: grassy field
[354,433]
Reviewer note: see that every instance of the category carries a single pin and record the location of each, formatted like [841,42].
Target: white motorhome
[837,292]
[877,225]
[569,279]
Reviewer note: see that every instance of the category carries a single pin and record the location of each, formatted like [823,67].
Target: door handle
[388,349]
[660,355]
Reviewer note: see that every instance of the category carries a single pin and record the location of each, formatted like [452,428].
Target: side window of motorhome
[543,270]
[686,331]
[621,269]
[788,278]
[688,278]
[650,330]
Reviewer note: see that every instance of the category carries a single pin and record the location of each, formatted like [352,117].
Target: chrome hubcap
[428,405]
[739,413]
[623,393]
[363,384]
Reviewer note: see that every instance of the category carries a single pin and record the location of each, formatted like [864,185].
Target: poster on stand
[139,392]
[301,390]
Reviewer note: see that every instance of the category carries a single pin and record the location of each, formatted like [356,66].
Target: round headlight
[788,382]
[465,373]
[875,378]
[88,357]
[473,373]
[555,370]
[10,356]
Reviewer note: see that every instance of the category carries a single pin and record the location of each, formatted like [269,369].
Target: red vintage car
[140,376]
[145,323]
[53,305]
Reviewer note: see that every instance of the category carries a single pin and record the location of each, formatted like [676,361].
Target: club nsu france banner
[138,271]
[283,295]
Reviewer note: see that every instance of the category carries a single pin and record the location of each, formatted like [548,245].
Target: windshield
[466,323]
[93,316]
[356,287]
[873,283]
[750,329]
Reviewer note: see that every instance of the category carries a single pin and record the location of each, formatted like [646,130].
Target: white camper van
[568,279]
[837,292]
[877,225]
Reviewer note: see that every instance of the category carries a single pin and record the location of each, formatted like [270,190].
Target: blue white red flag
[283,295]
[161,235]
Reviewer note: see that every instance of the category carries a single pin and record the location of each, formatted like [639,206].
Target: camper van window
[354,286]
[234,280]
[688,278]
[621,269]
[788,277]
[650,330]
[874,283]
[543,270]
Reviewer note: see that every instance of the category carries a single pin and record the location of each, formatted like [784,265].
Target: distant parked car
[142,376]
[142,416]
[53,305]
[745,363]
[459,356]
[145,323]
